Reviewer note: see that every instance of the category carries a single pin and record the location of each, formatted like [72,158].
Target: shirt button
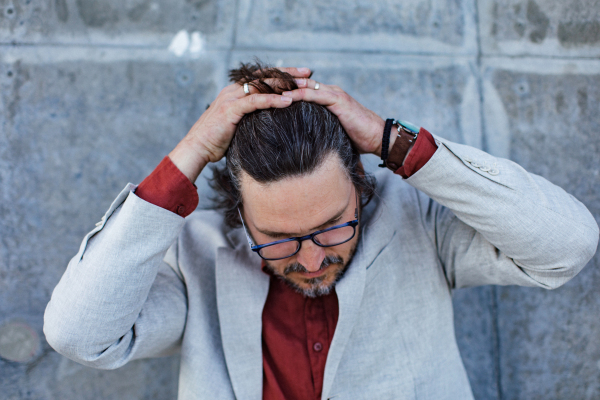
[317,346]
[180,210]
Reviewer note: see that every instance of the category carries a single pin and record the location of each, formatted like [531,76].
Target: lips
[320,272]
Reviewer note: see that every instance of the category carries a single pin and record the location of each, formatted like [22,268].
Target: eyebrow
[273,234]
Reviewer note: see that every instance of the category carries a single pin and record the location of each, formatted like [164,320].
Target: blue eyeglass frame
[300,239]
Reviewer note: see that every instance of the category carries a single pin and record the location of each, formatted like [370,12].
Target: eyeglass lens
[328,238]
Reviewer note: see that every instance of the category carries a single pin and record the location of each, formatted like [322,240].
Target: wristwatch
[407,136]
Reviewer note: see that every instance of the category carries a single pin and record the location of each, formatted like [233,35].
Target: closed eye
[282,235]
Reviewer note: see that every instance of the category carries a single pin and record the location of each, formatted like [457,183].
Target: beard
[316,286]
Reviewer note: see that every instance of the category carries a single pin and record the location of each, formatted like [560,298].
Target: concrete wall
[94,93]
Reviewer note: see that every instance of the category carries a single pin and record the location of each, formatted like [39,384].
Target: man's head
[293,171]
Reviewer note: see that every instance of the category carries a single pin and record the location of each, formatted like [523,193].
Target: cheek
[278,266]
[345,250]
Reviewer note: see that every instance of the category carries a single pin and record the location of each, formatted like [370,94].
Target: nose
[311,256]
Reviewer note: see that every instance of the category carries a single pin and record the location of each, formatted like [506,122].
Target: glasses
[285,248]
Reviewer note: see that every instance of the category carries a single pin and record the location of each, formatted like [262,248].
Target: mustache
[327,261]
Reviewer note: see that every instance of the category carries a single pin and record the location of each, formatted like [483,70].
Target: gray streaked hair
[273,144]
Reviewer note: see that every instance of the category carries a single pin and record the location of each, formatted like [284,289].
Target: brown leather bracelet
[404,141]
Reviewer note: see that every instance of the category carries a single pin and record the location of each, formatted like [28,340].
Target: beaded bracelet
[385,141]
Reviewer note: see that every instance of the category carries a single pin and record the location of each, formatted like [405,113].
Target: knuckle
[228,89]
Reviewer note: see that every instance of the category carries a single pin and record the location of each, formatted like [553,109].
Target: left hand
[364,127]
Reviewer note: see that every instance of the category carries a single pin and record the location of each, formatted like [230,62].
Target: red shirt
[296,330]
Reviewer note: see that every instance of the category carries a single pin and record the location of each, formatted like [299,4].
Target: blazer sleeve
[495,223]
[119,300]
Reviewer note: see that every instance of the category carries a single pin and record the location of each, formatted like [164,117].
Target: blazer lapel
[376,234]
[242,290]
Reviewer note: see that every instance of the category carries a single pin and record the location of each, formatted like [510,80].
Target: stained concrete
[540,27]
[134,22]
[74,133]
[91,98]
[417,26]
[548,340]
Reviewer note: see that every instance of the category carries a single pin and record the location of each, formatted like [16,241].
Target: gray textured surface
[74,132]
[417,26]
[90,99]
[540,27]
[548,340]
[113,22]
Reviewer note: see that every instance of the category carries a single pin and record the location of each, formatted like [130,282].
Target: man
[310,281]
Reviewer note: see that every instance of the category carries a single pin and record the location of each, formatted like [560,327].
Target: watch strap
[405,140]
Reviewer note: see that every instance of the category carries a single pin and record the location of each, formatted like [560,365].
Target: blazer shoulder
[394,192]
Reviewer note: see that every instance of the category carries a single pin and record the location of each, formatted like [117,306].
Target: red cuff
[169,188]
[421,152]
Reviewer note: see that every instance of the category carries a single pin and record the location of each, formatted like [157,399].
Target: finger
[272,82]
[255,102]
[297,72]
[231,88]
[311,84]
[322,97]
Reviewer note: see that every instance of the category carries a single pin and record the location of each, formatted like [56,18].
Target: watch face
[410,127]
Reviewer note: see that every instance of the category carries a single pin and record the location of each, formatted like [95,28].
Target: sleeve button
[317,346]
[181,210]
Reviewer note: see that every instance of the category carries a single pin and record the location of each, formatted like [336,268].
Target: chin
[319,286]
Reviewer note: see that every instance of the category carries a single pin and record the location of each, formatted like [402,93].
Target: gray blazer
[148,283]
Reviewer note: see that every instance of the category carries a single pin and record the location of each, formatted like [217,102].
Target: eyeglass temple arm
[245,230]
[357,203]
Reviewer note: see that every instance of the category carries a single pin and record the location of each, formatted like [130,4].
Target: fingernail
[288,94]
[304,70]
[286,99]
[300,82]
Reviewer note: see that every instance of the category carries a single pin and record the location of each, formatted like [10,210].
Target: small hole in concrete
[9,74]
[9,11]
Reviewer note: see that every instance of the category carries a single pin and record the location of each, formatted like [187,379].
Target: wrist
[189,159]
[401,143]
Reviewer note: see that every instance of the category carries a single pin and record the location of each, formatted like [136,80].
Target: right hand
[209,138]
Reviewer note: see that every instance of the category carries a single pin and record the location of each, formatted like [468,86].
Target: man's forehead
[297,203]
